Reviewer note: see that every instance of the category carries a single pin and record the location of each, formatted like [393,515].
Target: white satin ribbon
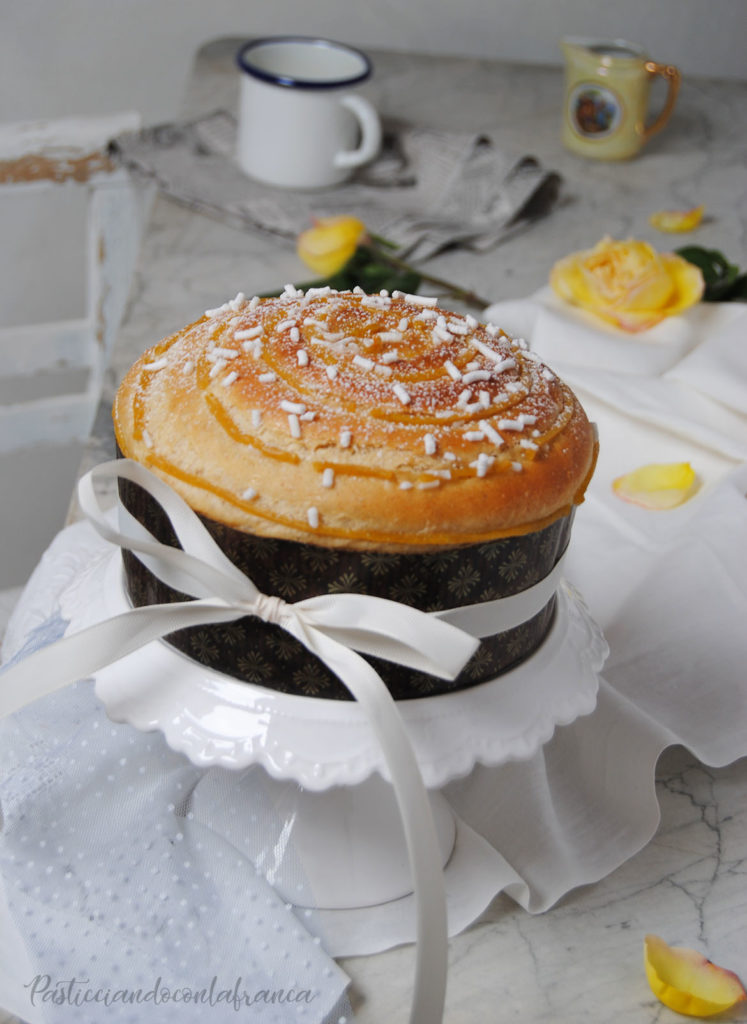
[333,627]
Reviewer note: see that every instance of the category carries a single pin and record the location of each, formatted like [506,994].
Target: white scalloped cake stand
[349,840]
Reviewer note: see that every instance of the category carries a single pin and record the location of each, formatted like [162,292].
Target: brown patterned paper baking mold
[265,654]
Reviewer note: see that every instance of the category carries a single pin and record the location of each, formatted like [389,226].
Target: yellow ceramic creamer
[605,108]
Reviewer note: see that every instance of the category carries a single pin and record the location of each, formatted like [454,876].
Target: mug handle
[370,133]
[673,78]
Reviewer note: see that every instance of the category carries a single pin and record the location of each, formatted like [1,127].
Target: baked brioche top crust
[343,419]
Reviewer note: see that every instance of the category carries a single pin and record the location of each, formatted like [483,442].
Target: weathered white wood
[113,212]
[56,420]
[63,134]
[28,348]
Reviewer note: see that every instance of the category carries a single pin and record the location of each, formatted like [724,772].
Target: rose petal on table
[657,485]
[328,245]
[677,220]
[686,982]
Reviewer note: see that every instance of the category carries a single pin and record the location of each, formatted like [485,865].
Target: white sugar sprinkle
[456,328]
[405,485]
[223,353]
[316,293]
[294,407]
[470,321]
[485,399]
[312,516]
[529,445]
[256,417]
[148,439]
[516,424]
[267,378]
[295,334]
[430,444]
[345,438]
[365,364]
[294,426]
[401,393]
[403,324]
[427,314]
[474,435]
[420,300]
[495,357]
[284,325]
[248,494]
[254,302]
[441,334]
[428,485]
[504,364]
[452,371]
[482,463]
[331,372]
[308,417]
[216,368]
[158,364]
[516,467]
[474,365]
[328,477]
[390,336]
[475,375]
[228,380]
[450,456]
[492,330]
[302,357]
[188,366]
[464,397]
[250,332]
[383,371]
[491,433]
[390,357]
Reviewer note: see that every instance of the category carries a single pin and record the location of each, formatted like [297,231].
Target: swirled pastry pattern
[345,419]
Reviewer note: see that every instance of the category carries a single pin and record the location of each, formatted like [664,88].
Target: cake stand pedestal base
[344,847]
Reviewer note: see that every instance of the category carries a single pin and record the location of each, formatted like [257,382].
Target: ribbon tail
[81,654]
[417,820]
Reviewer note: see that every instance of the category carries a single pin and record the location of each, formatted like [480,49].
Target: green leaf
[722,280]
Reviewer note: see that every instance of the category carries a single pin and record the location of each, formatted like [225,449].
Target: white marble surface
[581,961]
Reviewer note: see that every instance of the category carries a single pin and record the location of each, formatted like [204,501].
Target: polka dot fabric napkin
[122,903]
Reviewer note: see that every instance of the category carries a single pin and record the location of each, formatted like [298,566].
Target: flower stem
[465,295]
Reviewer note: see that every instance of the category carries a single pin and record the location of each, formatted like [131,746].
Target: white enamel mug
[300,125]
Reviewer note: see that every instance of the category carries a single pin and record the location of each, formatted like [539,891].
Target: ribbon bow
[333,627]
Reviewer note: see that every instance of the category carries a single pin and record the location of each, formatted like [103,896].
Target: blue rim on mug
[290,81]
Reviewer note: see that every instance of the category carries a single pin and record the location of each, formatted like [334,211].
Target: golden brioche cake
[339,441]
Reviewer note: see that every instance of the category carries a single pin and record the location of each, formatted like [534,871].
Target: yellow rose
[627,283]
[328,245]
